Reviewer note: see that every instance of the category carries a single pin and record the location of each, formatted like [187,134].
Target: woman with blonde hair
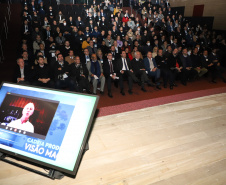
[133,53]
[116,10]
[131,35]
[155,52]
[144,12]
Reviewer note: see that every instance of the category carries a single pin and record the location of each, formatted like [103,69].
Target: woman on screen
[23,123]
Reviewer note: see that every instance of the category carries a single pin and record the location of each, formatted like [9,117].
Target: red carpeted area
[104,111]
[152,93]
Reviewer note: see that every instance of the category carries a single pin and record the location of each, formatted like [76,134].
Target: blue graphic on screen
[50,146]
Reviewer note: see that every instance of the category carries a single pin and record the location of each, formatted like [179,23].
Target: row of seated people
[78,75]
[117,34]
[118,24]
[91,24]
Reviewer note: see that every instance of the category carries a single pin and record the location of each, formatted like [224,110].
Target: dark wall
[178,10]
[201,20]
[66,1]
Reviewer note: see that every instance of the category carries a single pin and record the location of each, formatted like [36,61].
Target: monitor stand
[51,173]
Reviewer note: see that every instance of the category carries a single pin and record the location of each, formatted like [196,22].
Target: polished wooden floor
[181,143]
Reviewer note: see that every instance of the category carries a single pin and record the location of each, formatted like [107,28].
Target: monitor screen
[45,126]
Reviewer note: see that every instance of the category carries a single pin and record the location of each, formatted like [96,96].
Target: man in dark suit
[115,54]
[186,62]
[152,69]
[139,70]
[61,72]
[124,69]
[53,60]
[26,30]
[166,72]
[78,42]
[79,73]
[42,74]
[167,4]
[109,68]
[86,57]
[79,23]
[92,49]
[22,74]
[60,17]
[47,33]
[212,63]
[71,22]
[102,14]
[196,62]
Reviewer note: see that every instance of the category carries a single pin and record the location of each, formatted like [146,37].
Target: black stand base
[53,174]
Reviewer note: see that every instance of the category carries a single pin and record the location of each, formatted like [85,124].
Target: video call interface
[43,124]
[32,124]
[15,107]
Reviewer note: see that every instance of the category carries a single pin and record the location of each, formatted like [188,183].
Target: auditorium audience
[83,45]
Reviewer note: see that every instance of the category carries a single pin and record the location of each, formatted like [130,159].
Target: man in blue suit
[151,69]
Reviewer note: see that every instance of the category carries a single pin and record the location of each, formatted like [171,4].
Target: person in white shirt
[23,123]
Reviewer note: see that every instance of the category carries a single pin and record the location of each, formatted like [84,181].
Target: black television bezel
[82,147]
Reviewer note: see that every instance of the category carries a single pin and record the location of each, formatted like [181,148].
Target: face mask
[64,24]
[189,52]
[148,44]
[138,29]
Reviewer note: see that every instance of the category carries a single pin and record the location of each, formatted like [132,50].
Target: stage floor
[180,143]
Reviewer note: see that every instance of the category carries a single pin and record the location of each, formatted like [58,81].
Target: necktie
[111,67]
[124,60]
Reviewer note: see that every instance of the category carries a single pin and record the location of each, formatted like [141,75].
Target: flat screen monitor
[45,126]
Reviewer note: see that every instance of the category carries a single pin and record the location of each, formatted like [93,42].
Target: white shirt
[25,126]
[111,63]
[26,28]
[22,72]
[123,64]
[151,64]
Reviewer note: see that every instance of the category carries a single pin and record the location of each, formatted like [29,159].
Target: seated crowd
[102,44]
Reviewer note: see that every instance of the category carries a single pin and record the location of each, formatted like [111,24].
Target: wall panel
[216,8]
